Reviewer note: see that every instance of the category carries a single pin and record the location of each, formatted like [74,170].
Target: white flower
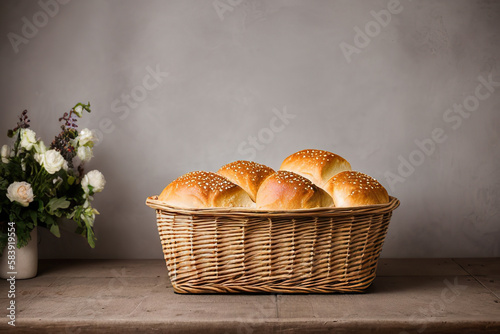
[85,136]
[78,110]
[40,147]
[89,212]
[5,154]
[53,161]
[84,153]
[28,139]
[95,179]
[20,192]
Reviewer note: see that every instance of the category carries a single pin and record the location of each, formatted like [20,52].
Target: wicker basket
[243,250]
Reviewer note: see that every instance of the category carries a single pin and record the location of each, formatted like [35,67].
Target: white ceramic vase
[26,260]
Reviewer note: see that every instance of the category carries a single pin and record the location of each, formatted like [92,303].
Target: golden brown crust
[351,188]
[316,165]
[204,190]
[248,175]
[285,190]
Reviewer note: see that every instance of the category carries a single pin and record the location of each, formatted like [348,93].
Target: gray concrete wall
[400,89]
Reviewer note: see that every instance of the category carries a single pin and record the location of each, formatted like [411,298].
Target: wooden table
[122,296]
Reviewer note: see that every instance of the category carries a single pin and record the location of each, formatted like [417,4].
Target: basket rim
[393,203]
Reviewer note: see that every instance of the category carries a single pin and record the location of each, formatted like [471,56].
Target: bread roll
[316,165]
[352,188]
[285,190]
[204,190]
[248,175]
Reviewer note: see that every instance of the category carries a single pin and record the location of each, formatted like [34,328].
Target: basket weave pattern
[302,251]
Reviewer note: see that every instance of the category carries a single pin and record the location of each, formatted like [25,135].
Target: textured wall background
[387,85]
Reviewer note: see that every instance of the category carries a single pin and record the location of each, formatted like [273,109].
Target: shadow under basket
[230,250]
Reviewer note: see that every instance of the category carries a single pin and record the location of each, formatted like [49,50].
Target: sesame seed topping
[206,180]
[317,157]
[356,182]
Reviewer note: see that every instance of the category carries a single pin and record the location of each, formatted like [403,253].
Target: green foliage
[55,204]
[54,229]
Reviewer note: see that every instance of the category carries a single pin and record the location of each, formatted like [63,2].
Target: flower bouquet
[40,184]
